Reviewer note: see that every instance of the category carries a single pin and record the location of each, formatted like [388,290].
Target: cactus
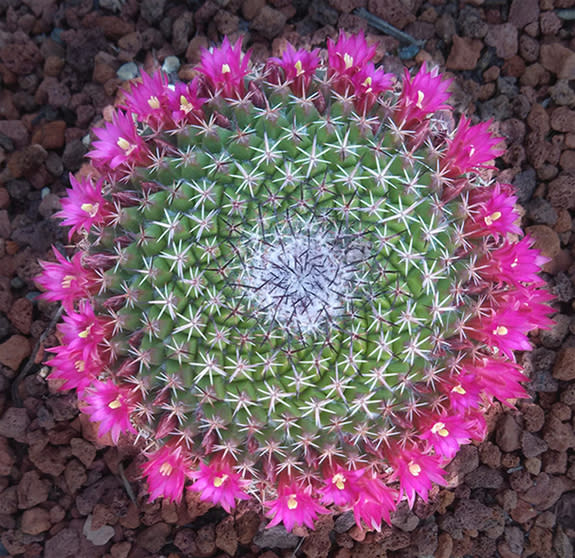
[294,283]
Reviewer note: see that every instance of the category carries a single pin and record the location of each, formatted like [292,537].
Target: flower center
[439,428]
[218,481]
[166,469]
[116,404]
[292,502]
[339,481]
[414,469]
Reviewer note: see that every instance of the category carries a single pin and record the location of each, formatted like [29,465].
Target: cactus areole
[294,282]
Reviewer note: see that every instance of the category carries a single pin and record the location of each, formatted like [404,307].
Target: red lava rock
[558,60]
[523,12]
[113,27]
[9,501]
[21,55]
[248,519]
[507,435]
[538,120]
[75,475]
[567,160]
[533,417]
[558,435]
[547,241]
[251,8]
[16,131]
[394,12]
[484,477]
[20,315]
[504,38]
[532,445]
[546,491]
[269,22]
[121,549]
[227,536]
[35,521]
[564,368]
[83,450]
[153,538]
[549,23]
[464,53]
[561,192]
[50,135]
[32,490]
[14,424]
[563,119]
[53,65]
[65,544]
[7,457]
[206,541]
[25,162]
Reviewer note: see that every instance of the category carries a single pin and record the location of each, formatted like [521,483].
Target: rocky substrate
[63,493]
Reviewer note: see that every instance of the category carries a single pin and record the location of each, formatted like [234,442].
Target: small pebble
[127,71]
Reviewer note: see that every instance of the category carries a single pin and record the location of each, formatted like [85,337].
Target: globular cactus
[294,282]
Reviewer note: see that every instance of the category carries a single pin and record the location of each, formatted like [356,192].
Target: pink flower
[498,378]
[225,68]
[166,472]
[84,206]
[444,433]
[111,406]
[71,366]
[119,144]
[349,55]
[66,281]
[532,304]
[341,486]
[422,95]
[368,83]
[415,471]
[219,483]
[492,212]
[462,391]
[514,263]
[148,99]
[184,104]
[298,67]
[375,502]
[83,330]
[503,329]
[470,148]
[293,506]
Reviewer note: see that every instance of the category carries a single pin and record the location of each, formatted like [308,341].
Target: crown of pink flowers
[501,276]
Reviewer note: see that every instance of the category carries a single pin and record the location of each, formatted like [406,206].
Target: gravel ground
[65,494]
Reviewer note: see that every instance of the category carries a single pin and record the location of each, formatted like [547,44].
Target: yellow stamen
[226,69]
[67,281]
[459,389]
[420,97]
[471,151]
[414,469]
[299,68]
[185,105]
[515,262]
[124,144]
[154,102]
[367,82]
[292,502]
[439,428]
[348,60]
[116,404]
[339,481]
[218,481]
[85,333]
[90,208]
[490,219]
[80,365]
[500,330]
[166,469]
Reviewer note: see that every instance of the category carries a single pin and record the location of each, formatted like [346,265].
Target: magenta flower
[111,406]
[499,378]
[422,96]
[375,503]
[148,99]
[470,148]
[342,486]
[349,55]
[66,281]
[491,211]
[83,331]
[532,305]
[293,506]
[219,483]
[70,366]
[225,69]
[166,473]
[84,206]
[514,263]
[444,433]
[463,392]
[119,144]
[416,472]
[298,67]
[184,104]
[368,83]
